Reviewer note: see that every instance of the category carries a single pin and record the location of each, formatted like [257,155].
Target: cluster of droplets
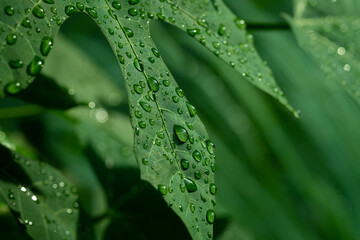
[50,189]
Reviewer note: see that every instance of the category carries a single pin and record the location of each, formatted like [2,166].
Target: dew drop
[197,174]
[80,6]
[181,133]
[221,30]
[197,156]
[11,39]
[15,64]
[184,164]
[46,45]
[9,10]
[210,147]
[26,23]
[191,109]
[38,12]
[192,207]
[128,32]
[190,185]
[145,106]
[13,87]
[162,189]
[70,10]
[154,84]
[35,66]
[179,92]
[133,11]
[139,65]
[116,5]
[210,216]
[49,1]
[193,32]
[212,188]
[92,12]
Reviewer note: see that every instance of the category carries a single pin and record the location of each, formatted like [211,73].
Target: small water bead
[197,156]
[26,23]
[212,188]
[181,133]
[70,10]
[46,45]
[128,55]
[15,64]
[162,189]
[92,12]
[210,216]
[80,6]
[138,65]
[166,83]
[112,14]
[190,185]
[128,32]
[133,12]
[222,29]
[138,89]
[145,106]
[154,84]
[155,52]
[175,99]
[49,1]
[145,161]
[133,2]
[116,5]
[210,147]
[212,166]
[142,124]
[9,10]
[161,135]
[191,139]
[240,23]
[38,12]
[193,32]
[11,39]
[138,114]
[192,207]
[121,59]
[35,66]
[179,92]
[151,59]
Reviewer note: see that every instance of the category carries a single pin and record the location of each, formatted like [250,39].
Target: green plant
[73,115]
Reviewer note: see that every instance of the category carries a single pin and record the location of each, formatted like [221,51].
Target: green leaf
[330,31]
[157,104]
[39,196]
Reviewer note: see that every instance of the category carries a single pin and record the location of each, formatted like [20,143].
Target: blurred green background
[278,177]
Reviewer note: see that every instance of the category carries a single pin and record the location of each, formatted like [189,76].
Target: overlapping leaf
[330,32]
[41,198]
[171,143]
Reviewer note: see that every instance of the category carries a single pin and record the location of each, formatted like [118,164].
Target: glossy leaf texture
[330,31]
[171,143]
[40,197]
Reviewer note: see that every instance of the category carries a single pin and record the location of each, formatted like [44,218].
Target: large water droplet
[9,10]
[35,66]
[162,189]
[70,10]
[184,164]
[212,188]
[11,39]
[145,106]
[92,12]
[190,185]
[181,133]
[197,156]
[116,5]
[154,84]
[193,32]
[26,23]
[210,216]
[139,65]
[191,109]
[38,11]
[210,147]
[46,45]
[13,87]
